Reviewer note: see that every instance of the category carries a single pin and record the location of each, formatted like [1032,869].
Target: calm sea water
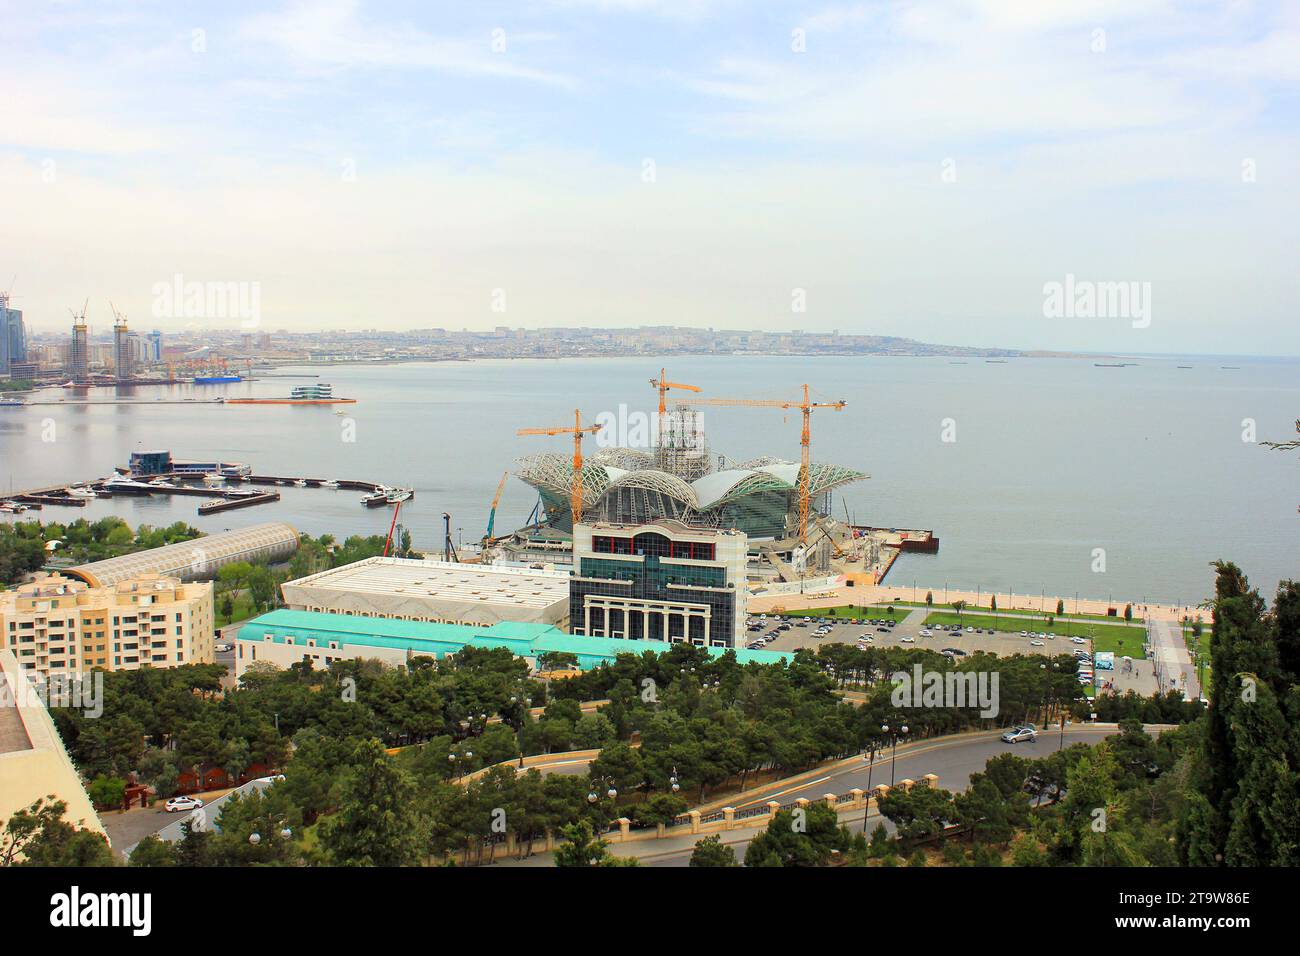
[1053,458]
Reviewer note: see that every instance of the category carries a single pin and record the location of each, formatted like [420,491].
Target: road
[952,759]
[1172,660]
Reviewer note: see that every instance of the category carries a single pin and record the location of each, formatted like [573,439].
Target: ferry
[320,394]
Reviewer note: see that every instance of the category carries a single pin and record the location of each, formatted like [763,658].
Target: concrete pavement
[1173,662]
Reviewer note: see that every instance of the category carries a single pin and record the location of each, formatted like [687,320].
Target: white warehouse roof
[434,590]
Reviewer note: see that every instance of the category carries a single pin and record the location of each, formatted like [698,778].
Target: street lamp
[893,757]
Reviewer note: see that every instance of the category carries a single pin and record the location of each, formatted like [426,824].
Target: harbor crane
[577,431]
[805,471]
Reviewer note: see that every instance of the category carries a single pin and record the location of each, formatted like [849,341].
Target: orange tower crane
[663,385]
[805,471]
[577,431]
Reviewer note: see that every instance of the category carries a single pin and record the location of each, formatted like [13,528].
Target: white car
[1037,643]
[181,804]
[969,628]
[1024,633]
[1077,640]
[925,632]
[907,640]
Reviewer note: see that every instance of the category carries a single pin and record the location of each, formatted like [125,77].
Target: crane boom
[496,500]
[805,443]
[577,431]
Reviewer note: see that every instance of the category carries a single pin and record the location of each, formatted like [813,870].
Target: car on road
[1037,643]
[181,804]
[1018,734]
[222,648]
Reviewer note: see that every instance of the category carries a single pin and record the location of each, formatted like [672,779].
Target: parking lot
[907,633]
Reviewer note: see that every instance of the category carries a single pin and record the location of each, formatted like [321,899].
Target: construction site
[783,506]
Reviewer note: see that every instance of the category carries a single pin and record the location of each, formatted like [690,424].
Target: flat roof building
[196,560]
[33,761]
[285,637]
[59,626]
[437,592]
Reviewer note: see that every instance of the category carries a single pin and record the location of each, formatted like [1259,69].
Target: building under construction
[782,506]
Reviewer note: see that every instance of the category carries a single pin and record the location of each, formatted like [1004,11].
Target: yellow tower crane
[577,431]
[805,471]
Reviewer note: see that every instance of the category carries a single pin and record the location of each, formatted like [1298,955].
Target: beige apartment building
[61,626]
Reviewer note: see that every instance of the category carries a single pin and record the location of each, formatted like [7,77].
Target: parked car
[907,640]
[1018,734]
[1037,643]
[181,804]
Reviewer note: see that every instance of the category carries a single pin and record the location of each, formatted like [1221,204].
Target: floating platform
[230,502]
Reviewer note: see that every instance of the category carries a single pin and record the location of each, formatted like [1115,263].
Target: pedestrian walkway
[1173,663]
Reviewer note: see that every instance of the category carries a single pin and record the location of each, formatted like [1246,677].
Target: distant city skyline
[941,172]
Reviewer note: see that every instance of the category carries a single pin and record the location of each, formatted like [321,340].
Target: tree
[958,606]
[918,813]
[929,599]
[711,851]
[807,836]
[152,851]
[39,836]
[1128,613]
[993,604]
[1060,607]
[375,824]
[583,848]
[107,792]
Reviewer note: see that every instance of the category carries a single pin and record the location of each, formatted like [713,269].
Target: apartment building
[58,625]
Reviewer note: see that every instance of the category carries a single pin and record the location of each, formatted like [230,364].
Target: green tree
[583,848]
[809,836]
[711,851]
[375,824]
[107,792]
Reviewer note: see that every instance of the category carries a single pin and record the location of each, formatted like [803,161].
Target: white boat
[329,483]
[300,483]
[125,486]
[79,492]
[399,494]
[12,507]
[214,478]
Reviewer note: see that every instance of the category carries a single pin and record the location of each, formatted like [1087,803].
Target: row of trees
[22,544]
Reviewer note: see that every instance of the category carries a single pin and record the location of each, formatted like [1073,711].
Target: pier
[232,501]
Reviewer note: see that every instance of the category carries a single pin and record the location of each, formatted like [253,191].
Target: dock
[230,502]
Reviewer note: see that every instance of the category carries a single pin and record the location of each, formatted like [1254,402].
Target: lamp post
[893,756]
[871,766]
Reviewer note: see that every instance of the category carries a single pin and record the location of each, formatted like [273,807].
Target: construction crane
[805,472]
[663,385]
[388,543]
[577,431]
[492,515]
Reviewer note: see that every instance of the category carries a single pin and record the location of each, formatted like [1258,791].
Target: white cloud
[321,36]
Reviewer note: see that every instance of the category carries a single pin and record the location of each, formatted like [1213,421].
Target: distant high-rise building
[153,347]
[79,352]
[13,336]
[122,358]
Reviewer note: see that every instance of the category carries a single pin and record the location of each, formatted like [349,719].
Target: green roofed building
[285,637]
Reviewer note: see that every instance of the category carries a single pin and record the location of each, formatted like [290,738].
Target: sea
[1037,475]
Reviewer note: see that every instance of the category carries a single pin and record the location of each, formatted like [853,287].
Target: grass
[243,608]
[1028,613]
[1120,638]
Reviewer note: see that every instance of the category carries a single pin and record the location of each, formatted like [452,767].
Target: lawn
[1027,614]
[243,608]
[1120,638]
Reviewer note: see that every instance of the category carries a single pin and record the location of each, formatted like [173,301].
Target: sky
[931,169]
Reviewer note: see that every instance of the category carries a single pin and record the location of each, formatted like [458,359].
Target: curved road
[952,759]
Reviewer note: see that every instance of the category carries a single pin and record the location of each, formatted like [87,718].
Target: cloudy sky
[918,169]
